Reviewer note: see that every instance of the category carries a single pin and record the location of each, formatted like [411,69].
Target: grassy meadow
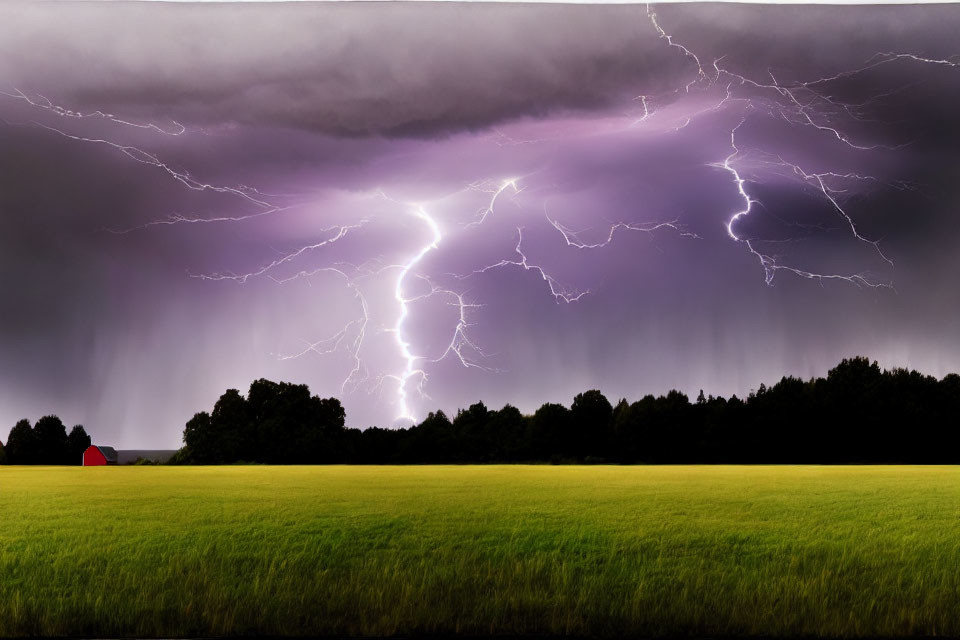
[479,550]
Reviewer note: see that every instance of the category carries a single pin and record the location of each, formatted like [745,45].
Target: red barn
[96,456]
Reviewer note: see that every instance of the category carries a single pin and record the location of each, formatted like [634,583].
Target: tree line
[46,442]
[858,413]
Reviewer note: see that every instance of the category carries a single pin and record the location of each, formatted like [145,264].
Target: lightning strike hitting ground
[411,369]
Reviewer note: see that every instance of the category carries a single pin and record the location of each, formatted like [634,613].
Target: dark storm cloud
[341,69]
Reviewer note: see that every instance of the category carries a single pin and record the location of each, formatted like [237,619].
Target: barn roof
[109,453]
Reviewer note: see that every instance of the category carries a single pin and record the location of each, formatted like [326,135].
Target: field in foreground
[168,551]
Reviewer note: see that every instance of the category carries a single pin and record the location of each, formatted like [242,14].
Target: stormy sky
[418,206]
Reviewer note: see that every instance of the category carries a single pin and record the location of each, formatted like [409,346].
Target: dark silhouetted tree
[22,444]
[232,429]
[200,441]
[379,446]
[505,434]
[592,417]
[433,440]
[550,432]
[470,427]
[51,440]
[77,442]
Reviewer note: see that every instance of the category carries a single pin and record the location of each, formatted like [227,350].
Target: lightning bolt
[349,338]
[42,102]
[701,75]
[559,292]
[144,157]
[410,370]
[340,232]
[769,263]
[571,238]
[795,111]
[484,186]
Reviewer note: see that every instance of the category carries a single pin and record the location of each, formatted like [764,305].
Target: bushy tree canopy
[46,442]
[51,440]
[22,444]
[277,423]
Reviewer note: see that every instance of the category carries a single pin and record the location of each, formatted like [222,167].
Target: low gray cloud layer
[356,69]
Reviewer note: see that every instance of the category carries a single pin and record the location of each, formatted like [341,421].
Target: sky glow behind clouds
[249,184]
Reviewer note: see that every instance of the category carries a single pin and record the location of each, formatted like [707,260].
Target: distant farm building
[96,456]
[156,456]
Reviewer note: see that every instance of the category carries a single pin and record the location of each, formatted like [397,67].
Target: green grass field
[177,551]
